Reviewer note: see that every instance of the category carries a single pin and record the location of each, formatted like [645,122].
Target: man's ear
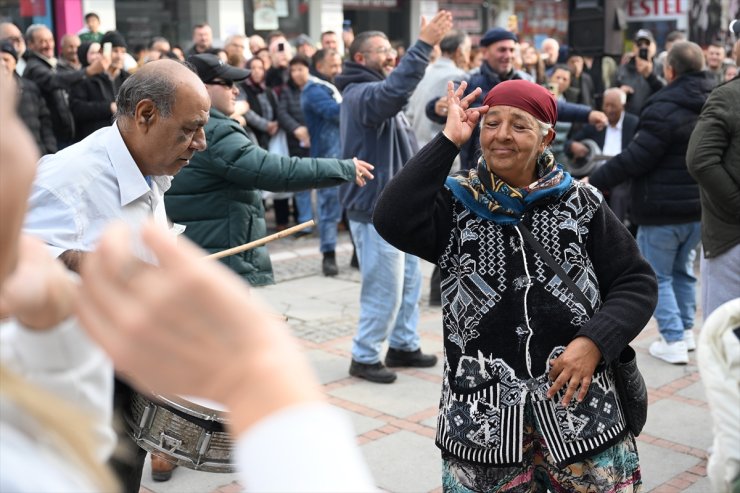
[146,113]
[359,58]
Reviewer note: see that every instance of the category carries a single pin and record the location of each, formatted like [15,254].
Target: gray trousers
[720,279]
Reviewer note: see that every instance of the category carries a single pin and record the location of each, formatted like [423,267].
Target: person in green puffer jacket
[217,197]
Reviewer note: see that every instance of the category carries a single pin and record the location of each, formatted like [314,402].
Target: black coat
[290,116]
[581,91]
[35,114]
[629,127]
[663,192]
[55,85]
[90,102]
[251,93]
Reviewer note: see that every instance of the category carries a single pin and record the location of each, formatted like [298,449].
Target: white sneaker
[671,352]
[688,338]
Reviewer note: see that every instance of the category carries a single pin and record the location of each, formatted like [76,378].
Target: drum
[191,432]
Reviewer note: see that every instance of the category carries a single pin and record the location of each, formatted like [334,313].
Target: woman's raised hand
[461,119]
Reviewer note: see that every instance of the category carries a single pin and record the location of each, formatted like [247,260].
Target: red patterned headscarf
[527,96]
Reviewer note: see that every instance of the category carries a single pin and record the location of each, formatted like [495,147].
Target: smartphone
[347,25]
[107,49]
[643,53]
[281,47]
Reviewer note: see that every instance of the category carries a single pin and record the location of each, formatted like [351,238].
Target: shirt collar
[131,183]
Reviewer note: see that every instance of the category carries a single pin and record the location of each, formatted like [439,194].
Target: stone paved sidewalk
[395,423]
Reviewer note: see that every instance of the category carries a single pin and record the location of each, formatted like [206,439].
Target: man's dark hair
[272,35]
[326,33]
[200,26]
[90,15]
[360,42]
[685,57]
[322,54]
[562,66]
[253,59]
[300,60]
[718,44]
[452,41]
[158,86]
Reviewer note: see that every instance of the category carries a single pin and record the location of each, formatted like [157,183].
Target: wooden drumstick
[261,241]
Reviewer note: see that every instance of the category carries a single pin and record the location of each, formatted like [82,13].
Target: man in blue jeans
[373,128]
[664,198]
[320,101]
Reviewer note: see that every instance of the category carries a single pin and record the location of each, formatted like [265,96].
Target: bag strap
[550,261]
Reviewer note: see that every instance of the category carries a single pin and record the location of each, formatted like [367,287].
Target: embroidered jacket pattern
[486,385]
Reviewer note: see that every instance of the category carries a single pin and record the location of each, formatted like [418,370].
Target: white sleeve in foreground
[306,448]
[67,363]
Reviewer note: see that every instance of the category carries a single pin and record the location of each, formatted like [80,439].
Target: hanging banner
[265,15]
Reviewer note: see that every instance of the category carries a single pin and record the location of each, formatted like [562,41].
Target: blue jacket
[373,127]
[320,107]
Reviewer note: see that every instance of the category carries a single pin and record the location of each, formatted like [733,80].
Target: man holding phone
[636,77]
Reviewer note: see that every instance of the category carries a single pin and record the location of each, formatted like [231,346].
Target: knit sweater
[506,314]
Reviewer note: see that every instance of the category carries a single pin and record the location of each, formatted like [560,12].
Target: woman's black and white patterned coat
[506,314]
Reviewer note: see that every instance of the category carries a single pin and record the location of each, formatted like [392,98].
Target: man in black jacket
[30,106]
[611,139]
[665,198]
[54,80]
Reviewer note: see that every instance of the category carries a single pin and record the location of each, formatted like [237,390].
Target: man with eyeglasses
[218,196]
[10,32]
[636,77]
[373,127]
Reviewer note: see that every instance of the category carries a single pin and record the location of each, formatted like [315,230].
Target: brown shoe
[161,467]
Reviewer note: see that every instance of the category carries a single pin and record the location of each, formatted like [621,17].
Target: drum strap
[206,424]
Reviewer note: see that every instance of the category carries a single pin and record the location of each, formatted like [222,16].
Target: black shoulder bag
[630,384]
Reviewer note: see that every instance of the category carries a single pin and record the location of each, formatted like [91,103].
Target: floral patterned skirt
[615,470]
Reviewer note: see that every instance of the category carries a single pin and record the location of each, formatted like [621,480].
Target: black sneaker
[329,265]
[374,372]
[396,357]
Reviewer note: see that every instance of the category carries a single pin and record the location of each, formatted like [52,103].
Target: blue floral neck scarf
[490,197]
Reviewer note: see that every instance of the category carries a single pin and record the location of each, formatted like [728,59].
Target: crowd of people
[488,161]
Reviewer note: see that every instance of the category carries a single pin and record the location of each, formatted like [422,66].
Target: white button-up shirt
[613,138]
[81,189]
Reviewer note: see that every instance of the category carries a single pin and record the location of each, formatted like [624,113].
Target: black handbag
[628,379]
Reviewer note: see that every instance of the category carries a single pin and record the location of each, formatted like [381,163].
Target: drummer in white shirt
[121,172]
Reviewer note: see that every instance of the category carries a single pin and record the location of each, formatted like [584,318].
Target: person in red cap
[528,401]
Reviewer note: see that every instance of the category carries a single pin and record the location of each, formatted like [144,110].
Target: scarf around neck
[490,197]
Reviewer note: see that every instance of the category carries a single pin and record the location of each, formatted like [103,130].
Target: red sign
[644,8]
[31,8]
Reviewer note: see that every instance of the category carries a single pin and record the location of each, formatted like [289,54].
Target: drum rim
[192,408]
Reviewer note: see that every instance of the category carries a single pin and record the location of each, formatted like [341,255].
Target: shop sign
[656,9]
[31,8]
[466,17]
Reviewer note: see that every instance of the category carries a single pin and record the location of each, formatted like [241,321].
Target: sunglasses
[226,83]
